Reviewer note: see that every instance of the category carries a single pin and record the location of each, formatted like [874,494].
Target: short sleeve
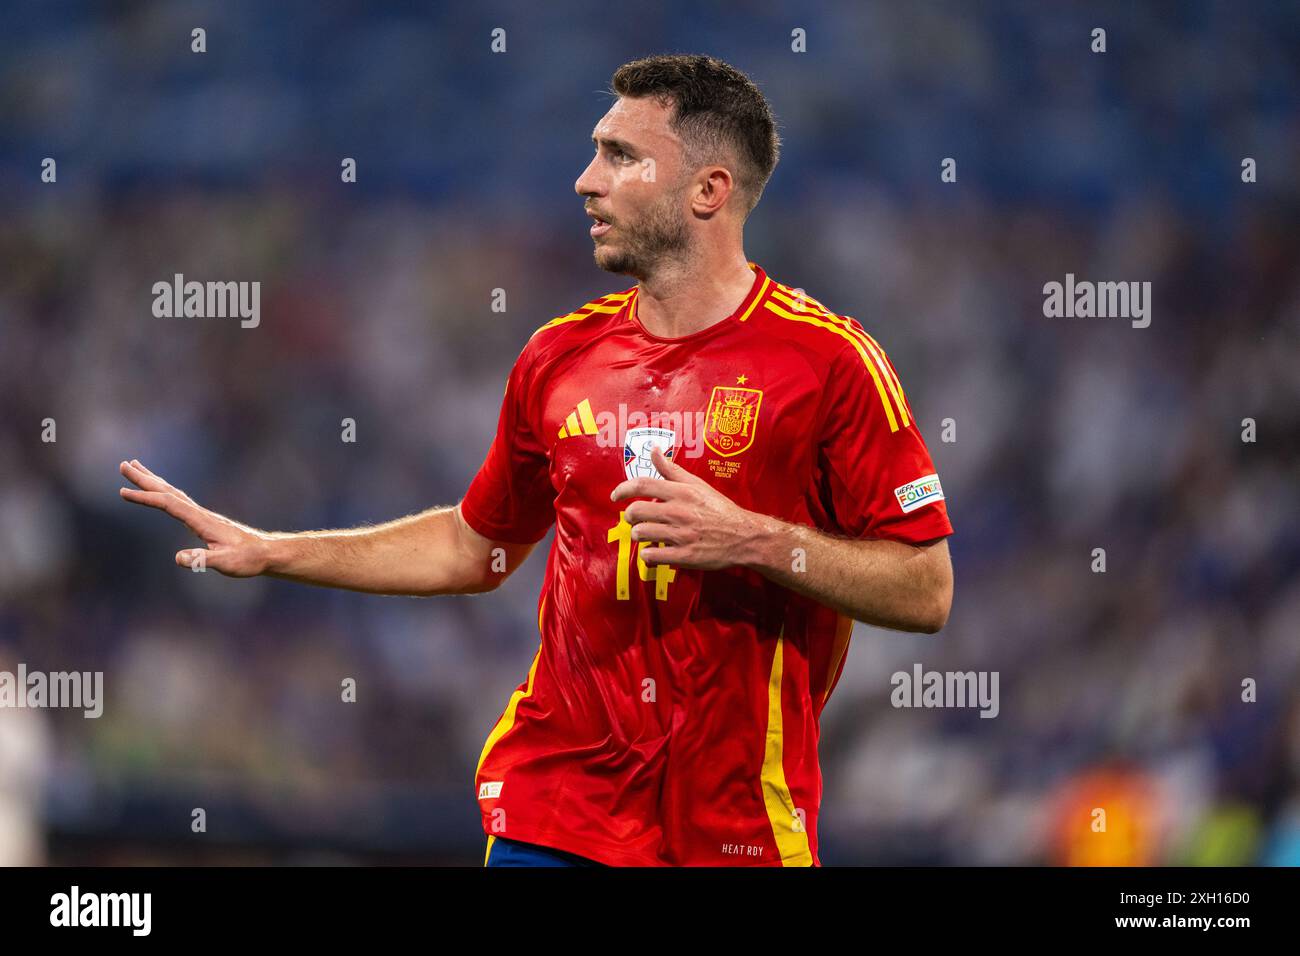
[511,499]
[877,479]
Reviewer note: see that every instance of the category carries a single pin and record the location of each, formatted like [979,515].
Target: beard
[643,243]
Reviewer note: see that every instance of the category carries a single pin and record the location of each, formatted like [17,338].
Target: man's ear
[714,189]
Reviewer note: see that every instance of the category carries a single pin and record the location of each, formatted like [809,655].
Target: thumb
[192,558]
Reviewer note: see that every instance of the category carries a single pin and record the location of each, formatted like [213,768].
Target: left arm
[881,582]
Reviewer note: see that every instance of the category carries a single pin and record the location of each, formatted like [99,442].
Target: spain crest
[732,419]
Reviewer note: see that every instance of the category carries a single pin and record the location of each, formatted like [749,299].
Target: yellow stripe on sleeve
[871,345]
[889,371]
[607,304]
[855,342]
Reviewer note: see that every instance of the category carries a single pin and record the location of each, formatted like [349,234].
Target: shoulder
[564,334]
[836,345]
[583,323]
[793,315]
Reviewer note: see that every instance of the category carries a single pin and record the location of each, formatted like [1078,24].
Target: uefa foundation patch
[917,494]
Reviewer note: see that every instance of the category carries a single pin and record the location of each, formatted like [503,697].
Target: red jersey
[670,716]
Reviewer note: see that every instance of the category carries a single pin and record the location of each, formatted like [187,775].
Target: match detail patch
[637,445]
[489,790]
[917,494]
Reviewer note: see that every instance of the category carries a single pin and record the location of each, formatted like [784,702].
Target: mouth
[600,226]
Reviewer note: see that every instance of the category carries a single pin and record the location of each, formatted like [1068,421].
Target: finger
[166,485]
[649,531]
[199,520]
[132,471]
[670,469]
[194,557]
[646,511]
[153,499]
[186,512]
[145,478]
[642,488]
[661,555]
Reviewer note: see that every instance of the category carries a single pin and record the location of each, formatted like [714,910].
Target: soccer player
[734,474]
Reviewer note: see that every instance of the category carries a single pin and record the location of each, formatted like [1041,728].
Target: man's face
[634,187]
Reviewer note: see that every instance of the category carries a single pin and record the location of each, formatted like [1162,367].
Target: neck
[682,298]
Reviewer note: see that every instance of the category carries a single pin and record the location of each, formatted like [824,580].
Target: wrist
[766,544]
[276,552]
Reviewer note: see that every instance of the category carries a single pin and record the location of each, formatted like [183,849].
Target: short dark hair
[717,110]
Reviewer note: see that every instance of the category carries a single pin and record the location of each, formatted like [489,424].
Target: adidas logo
[580,422]
[611,428]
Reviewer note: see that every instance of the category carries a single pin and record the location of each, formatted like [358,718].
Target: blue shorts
[503,852]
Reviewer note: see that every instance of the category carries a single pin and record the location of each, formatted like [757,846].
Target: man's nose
[586,184]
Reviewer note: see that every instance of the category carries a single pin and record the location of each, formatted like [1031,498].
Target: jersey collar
[757,292]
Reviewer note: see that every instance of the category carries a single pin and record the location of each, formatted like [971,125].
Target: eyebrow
[612,143]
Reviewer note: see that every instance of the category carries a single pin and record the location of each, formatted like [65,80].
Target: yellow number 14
[662,574]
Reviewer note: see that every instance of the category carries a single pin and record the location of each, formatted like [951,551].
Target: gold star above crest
[742,379]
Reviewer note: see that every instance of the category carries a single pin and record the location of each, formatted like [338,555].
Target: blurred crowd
[1120,689]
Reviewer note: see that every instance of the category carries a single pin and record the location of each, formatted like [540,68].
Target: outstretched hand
[694,524]
[229,547]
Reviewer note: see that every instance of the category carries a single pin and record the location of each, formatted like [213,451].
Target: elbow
[477,584]
[483,585]
[935,618]
[463,584]
[934,621]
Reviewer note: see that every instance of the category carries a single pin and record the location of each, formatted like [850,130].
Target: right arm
[433,552]
[430,553]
